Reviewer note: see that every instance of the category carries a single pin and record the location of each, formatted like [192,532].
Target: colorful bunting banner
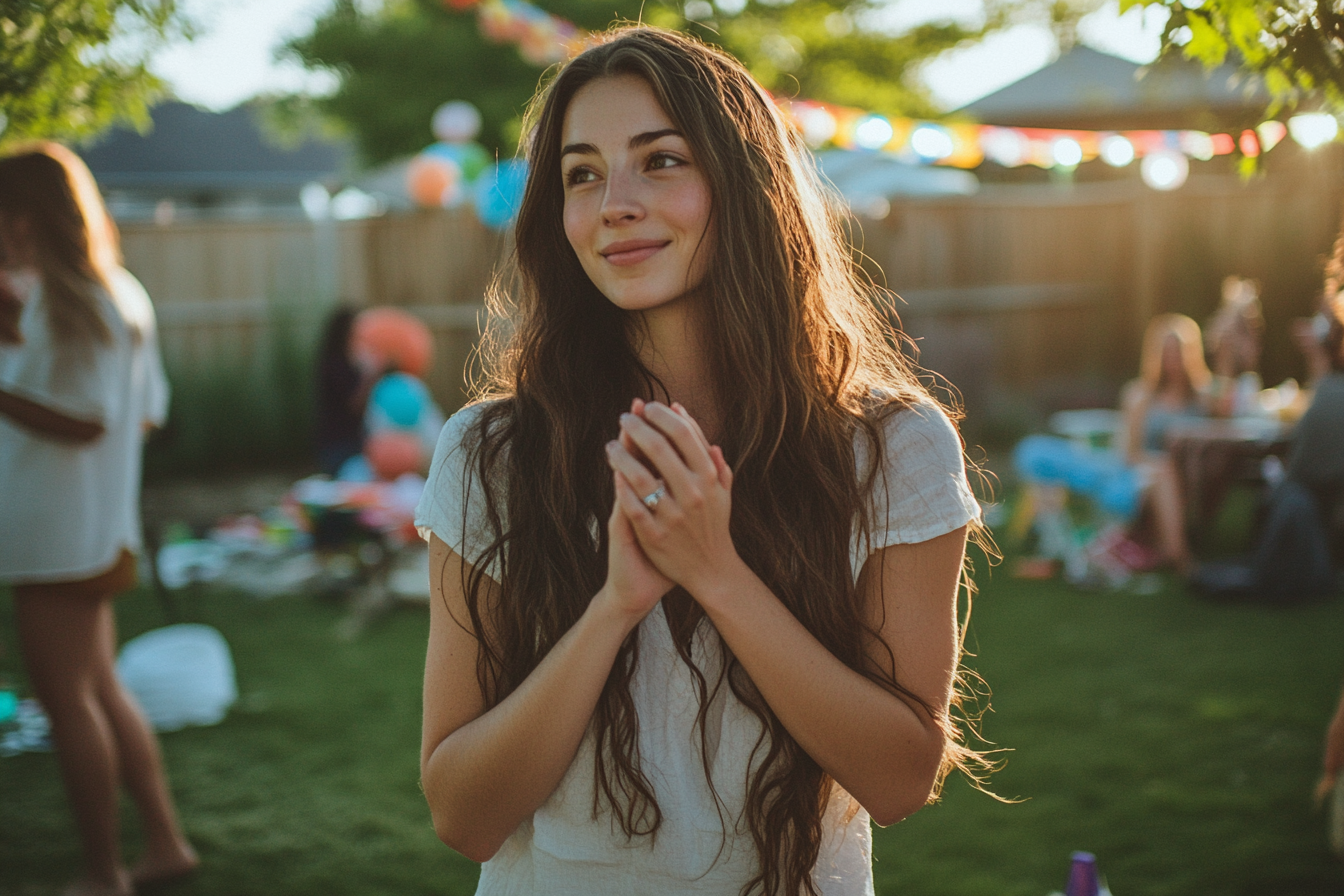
[544,39]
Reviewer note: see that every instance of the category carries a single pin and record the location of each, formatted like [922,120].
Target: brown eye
[661,160]
[579,175]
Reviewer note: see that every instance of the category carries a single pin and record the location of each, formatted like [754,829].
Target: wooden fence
[1014,290]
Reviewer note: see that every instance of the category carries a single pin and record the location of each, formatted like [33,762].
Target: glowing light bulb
[1197,145]
[1164,169]
[873,132]
[931,142]
[1066,152]
[1270,133]
[1005,146]
[1313,129]
[818,125]
[1116,151]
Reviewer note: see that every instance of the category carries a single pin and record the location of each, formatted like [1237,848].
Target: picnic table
[1213,453]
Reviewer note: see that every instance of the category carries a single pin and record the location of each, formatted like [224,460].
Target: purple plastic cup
[1083,876]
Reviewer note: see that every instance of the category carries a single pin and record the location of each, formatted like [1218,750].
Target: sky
[234,58]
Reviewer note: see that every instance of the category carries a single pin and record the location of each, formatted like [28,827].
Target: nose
[621,204]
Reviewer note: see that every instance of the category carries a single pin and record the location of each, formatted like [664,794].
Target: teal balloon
[398,397]
[498,193]
[472,158]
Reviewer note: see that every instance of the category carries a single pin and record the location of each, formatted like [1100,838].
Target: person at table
[1234,338]
[1172,387]
[1316,459]
[1290,561]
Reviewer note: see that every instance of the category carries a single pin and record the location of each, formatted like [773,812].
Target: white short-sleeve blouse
[67,510]
[703,847]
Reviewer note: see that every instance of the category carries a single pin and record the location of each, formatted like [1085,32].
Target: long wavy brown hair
[804,360]
[48,192]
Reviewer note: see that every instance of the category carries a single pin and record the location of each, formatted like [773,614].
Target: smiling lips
[628,252]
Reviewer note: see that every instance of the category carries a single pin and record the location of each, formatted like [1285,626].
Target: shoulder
[461,429]
[452,505]
[452,471]
[919,489]
[129,300]
[920,427]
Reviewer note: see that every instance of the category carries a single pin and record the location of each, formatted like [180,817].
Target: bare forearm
[881,750]
[46,422]
[490,775]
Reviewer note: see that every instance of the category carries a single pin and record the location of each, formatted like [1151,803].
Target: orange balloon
[432,180]
[390,338]
[391,453]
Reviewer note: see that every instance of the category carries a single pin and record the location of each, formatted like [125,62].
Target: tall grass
[236,415]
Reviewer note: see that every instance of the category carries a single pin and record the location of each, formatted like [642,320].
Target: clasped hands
[683,538]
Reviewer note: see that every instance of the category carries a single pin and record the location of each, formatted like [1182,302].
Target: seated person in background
[1317,457]
[1233,338]
[1291,560]
[1172,387]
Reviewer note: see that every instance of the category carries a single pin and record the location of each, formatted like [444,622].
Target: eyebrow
[635,142]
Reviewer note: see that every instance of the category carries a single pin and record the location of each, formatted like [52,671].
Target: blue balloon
[400,397]
[498,193]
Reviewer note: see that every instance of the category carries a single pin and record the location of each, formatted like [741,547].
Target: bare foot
[161,866]
[87,886]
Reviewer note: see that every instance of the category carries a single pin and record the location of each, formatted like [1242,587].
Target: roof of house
[1090,90]
[192,150]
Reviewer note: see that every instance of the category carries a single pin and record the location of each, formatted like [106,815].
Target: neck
[669,344]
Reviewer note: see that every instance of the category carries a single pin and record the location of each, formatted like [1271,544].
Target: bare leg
[1168,503]
[60,636]
[167,852]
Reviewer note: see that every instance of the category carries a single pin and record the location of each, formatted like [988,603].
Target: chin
[642,300]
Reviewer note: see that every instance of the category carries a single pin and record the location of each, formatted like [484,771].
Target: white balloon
[456,122]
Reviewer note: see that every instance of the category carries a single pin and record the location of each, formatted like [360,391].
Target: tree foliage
[69,68]
[825,50]
[1298,47]
[397,63]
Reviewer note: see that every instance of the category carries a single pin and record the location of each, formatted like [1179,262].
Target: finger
[666,461]
[725,472]
[629,445]
[695,424]
[632,505]
[681,432]
[623,462]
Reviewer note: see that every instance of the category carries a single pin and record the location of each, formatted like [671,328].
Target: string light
[1116,151]
[1313,129]
[1164,169]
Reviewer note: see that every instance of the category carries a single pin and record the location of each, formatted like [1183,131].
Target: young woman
[695,559]
[80,380]
[1172,386]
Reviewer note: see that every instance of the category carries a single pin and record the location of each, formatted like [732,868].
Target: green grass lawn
[1175,739]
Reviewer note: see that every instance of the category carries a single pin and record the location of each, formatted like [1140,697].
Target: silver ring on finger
[652,498]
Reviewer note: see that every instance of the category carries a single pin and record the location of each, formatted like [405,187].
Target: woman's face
[637,207]
[1173,364]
